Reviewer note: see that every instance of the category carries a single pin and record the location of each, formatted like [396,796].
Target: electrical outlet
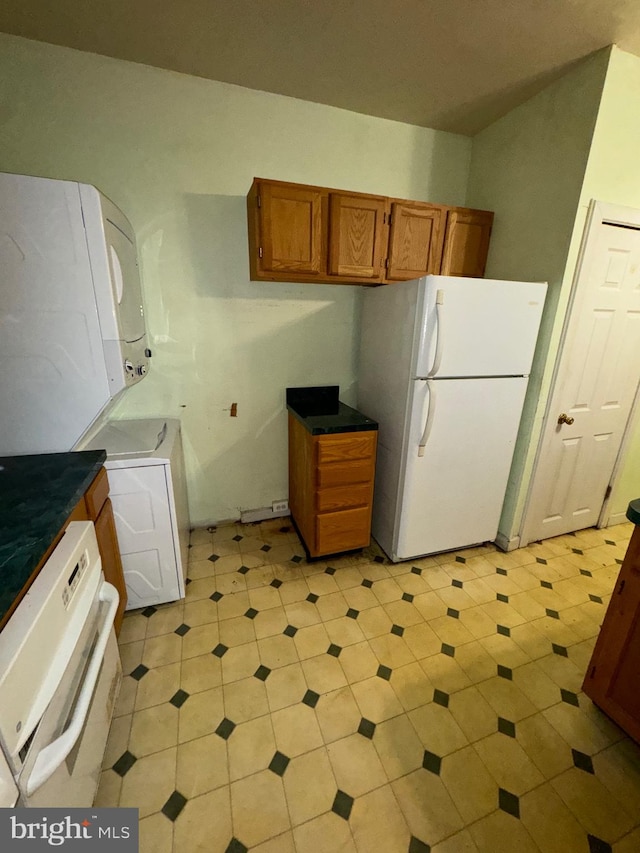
[280,506]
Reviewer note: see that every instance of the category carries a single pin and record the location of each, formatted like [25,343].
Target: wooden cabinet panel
[345,447]
[613,674]
[466,242]
[344,473]
[356,235]
[344,497]
[415,240]
[343,531]
[97,494]
[291,229]
[110,553]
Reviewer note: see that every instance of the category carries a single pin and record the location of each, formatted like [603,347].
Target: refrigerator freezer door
[478,327]
[452,495]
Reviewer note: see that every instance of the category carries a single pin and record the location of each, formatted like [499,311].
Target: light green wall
[178,154]
[529,167]
[613,175]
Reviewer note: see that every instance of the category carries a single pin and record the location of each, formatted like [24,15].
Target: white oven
[59,676]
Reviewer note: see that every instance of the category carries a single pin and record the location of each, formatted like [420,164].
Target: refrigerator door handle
[437,359]
[429,419]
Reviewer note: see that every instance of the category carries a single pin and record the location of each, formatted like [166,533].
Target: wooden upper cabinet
[466,242]
[357,235]
[415,240]
[291,233]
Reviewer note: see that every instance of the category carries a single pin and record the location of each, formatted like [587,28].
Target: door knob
[565,419]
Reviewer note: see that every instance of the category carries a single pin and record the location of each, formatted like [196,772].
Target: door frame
[598,213]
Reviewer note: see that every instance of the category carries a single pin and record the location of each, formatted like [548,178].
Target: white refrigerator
[444,367]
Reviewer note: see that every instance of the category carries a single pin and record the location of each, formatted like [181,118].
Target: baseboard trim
[261,514]
[507,544]
[616,518]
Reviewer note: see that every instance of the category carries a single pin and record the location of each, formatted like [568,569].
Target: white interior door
[595,384]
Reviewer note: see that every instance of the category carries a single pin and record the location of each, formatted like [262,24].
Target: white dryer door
[140,500]
[125,283]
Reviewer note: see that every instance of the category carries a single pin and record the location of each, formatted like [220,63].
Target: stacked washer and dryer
[72,341]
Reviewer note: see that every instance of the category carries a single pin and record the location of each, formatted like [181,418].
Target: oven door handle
[52,755]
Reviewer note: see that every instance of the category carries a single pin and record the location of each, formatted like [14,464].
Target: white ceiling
[453,65]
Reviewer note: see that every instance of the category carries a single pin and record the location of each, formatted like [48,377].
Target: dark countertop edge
[633,511]
[25,573]
[332,424]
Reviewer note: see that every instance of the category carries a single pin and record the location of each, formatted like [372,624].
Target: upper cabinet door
[466,242]
[291,229]
[356,236]
[415,242]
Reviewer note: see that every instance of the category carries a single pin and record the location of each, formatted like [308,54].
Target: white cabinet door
[140,499]
[452,495]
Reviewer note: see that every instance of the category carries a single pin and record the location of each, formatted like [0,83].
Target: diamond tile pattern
[341,708]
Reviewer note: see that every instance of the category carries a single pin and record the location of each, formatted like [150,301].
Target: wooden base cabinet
[331,488]
[613,677]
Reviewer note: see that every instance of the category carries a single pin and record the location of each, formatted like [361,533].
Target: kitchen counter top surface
[321,413]
[37,495]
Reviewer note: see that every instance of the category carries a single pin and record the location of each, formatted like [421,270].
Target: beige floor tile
[430,605]
[155,834]
[325,834]
[157,686]
[451,631]
[477,622]
[200,536]
[131,655]
[473,714]
[387,590]
[201,714]
[200,640]
[258,808]
[501,833]
[411,686]
[508,763]
[201,673]
[413,584]
[109,787]
[374,622]
[360,598]
[461,842]
[277,651]
[562,671]
[480,591]
[165,620]
[202,766]
[427,807]
[251,747]
[550,823]
[338,714]
[245,699]
[280,844]
[348,577]
[229,565]
[506,699]
[259,576]
[199,569]
[524,578]
[285,686]
[549,752]
[232,582]
[332,606]
[309,785]
[504,651]
[445,673]
[199,590]
[476,662]
[629,844]
[295,590]
[323,673]
[597,810]
[311,641]
[153,729]
[391,650]
[296,730]
[202,611]
[398,747]
[118,740]
[150,782]
[421,640]
[204,825]
[618,768]
[471,786]
[235,632]
[536,685]
[301,614]
[558,631]
[376,699]
[240,662]
[167,648]
[456,598]
[378,824]
[264,598]
[344,631]
[322,584]
[356,765]
[503,614]
[437,729]
[436,577]
[270,622]
[200,551]
[134,627]
[532,642]
[577,728]
[358,662]
[233,605]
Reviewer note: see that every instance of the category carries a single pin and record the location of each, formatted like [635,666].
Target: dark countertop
[37,495]
[321,413]
[633,511]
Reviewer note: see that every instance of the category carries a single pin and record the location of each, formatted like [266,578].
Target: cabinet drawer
[97,494]
[343,497]
[345,473]
[343,531]
[339,448]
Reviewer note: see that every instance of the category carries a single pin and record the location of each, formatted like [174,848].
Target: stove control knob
[141,369]
[128,366]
